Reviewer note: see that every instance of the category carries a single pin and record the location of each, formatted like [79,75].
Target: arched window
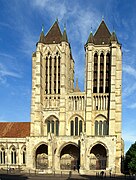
[96,128]
[75,104]
[50,72]
[24,155]
[59,75]
[80,127]
[55,72]
[95,73]
[72,128]
[57,128]
[102,58]
[2,155]
[100,128]
[76,126]
[48,126]
[52,125]
[46,87]
[13,155]
[105,128]
[107,72]
[101,72]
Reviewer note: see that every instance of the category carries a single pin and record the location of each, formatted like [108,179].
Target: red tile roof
[14,129]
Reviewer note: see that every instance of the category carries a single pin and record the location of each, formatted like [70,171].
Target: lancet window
[76,126]
[101,127]
[107,73]
[24,155]
[53,125]
[101,73]
[95,73]
[2,155]
[52,73]
[13,156]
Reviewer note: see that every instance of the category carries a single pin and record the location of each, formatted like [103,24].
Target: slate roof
[64,36]
[102,35]
[113,37]
[41,40]
[91,38]
[54,34]
[14,129]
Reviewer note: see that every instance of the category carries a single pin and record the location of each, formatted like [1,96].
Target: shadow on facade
[91,177]
[12,177]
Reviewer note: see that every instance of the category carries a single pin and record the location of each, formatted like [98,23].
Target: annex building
[70,129]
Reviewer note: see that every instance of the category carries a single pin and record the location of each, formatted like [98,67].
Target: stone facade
[71,129]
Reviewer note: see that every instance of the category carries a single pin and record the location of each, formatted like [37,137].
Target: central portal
[69,157]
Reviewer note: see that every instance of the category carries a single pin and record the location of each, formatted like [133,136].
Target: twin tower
[71,129]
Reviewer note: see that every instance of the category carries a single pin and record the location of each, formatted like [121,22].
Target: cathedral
[70,129]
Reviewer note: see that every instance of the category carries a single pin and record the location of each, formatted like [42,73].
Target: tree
[130,160]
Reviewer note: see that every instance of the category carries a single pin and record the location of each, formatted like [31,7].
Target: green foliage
[130,160]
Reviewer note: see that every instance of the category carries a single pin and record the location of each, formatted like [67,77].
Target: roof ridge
[14,122]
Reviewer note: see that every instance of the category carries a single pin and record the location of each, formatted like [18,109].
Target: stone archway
[98,157]
[70,157]
[41,157]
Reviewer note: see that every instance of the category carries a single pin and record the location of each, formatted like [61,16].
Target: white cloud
[129,70]
[41,3]
[129,134]
[6,55]
[129,137]
[129,84]
[126,50]
[57,9]
[132,106]
[5,25]
[128,89]
[28,43]
[4,72]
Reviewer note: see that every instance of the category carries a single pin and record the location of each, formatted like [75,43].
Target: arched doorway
[42,157]
[69,157]
[98,157]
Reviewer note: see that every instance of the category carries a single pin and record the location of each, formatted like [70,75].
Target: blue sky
[20,27]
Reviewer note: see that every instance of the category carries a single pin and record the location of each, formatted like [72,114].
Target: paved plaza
[61,177]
